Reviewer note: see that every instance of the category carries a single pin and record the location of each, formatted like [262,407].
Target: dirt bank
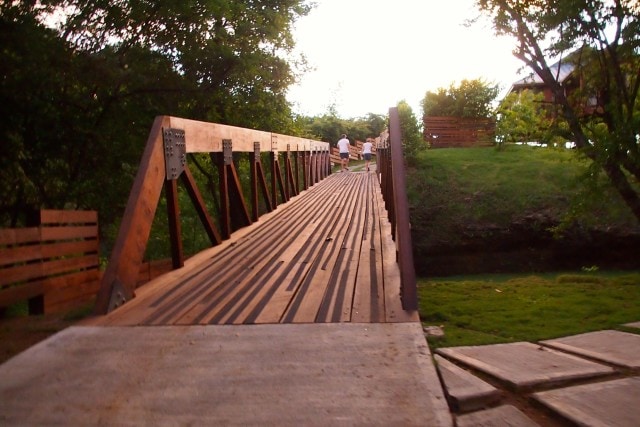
[523,248]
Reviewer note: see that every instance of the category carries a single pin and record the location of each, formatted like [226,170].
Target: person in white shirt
[343,146]
[366,153]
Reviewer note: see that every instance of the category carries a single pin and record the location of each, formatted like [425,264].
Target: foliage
[412,141]
[600,39]
[78,101]
[497,309]
[70,121]
[329,127]
[471,99]
[524,117]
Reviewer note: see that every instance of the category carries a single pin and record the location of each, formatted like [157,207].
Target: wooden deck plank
[241,261]
[376,243]
[293,272]
[149,295]
[368,298]
[336,306]
[322,276]
[210,299]
[274,297]
[291,234]
[281,295]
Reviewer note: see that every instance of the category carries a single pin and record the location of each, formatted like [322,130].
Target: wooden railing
[295,164]
[390,164]
[53,265]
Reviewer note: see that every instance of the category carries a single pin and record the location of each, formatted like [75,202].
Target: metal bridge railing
[390,163]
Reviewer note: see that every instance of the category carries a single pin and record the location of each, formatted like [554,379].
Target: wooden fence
[54,265]
[149,270]
[446,132]
[355,151]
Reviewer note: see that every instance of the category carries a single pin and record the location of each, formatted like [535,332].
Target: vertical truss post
[296,159]
[225,206]
[326,164]
[175,162]
[254,160]
[305,169]
[291,185]
[175,230]
[313,166]
[287,167]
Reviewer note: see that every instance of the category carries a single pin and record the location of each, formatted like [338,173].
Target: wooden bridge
[325,255]
[320,291]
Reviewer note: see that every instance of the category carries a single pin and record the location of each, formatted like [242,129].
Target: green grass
[509,308]
[449,189]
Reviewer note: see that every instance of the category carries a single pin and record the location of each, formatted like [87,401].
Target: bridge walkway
[324,257]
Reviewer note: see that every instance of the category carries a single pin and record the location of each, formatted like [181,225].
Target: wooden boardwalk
[326,256]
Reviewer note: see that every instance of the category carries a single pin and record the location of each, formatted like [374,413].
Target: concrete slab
[615,347]
[285,375]
[501,416]
[633,325]
[524,365]
[466,392]
[605,404]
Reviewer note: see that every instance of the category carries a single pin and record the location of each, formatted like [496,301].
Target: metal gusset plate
[227,151]
[175,152]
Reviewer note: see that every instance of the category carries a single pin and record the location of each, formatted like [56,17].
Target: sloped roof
[566,68]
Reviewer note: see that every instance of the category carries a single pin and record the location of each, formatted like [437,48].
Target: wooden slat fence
[355,151]
[149,270]
[447,132]
[54,266]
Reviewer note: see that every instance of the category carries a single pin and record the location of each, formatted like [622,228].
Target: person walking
[366,152]
[343,147]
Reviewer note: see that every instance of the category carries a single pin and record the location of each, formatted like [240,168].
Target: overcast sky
[368,55]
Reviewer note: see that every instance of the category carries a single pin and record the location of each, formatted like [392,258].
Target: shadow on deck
[326,256]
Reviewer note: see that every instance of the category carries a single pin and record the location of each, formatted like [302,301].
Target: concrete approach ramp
[302,374]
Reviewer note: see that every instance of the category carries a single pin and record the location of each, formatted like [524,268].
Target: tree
[524,117]
[77,101]
[412,141]
[376,124]
[329,127]
[603,38]
[236,55]
[471,99]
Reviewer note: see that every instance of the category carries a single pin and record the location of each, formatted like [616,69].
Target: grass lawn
[452,190]
[478,310]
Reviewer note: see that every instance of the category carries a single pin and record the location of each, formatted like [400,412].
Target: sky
[368,55]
